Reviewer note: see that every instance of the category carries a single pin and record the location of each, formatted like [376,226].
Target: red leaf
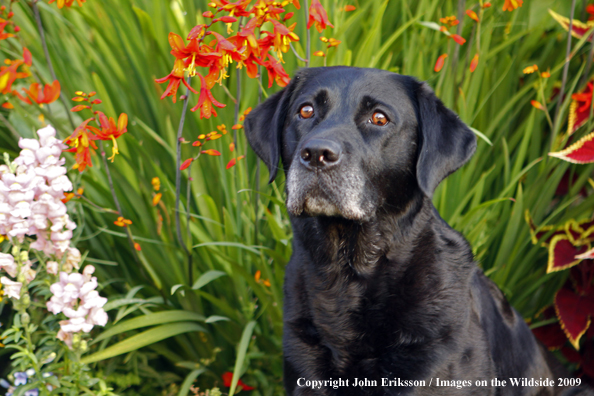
[578,28]
[588,255]
[571,354]
[574,313]
[581,152]
[562,253]
[551,335]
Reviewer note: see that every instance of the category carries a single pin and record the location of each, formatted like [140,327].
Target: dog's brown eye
[306,111]
[378,118]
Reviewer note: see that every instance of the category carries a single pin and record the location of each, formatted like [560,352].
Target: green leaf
[152,319]
[206,278]
[143,339]
[185,388]
[241,351]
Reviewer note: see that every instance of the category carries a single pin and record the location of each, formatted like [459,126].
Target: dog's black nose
[320,153]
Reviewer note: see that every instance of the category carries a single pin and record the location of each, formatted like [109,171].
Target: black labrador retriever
[382,297]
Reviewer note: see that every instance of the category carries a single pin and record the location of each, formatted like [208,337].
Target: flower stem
[188,235]
[116,201]
[180,130]
[461,8]
[564,79]
[48,59]
[308,41]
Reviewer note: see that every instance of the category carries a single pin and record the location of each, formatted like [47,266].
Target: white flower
[76,297]
[11,289]
[27,272]
[98,316]
[52,267]
[7,264]
[75,325]
[64,336]
[73,258]
[30,195]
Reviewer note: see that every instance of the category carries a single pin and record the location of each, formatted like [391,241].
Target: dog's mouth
[338,194]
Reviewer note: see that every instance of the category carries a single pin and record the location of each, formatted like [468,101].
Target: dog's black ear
[264,126]
[445,142]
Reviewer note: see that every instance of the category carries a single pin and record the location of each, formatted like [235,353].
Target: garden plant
[142,249]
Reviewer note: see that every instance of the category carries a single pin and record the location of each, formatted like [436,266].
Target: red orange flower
[317,15]
[228,378]
[511,5]
[449,21]
[109,130]
[206,101]
[122,222]
[175,77]
[81,141]
[459,39]
[49,94]
[474,63]
[472,15]
[277,73]
[67,3]
[440,62]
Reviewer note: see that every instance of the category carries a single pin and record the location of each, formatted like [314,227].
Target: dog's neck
[338,245]
[366,279]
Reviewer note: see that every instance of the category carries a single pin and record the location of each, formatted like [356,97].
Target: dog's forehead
[349,86]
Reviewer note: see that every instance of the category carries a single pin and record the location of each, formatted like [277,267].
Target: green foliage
[168,328]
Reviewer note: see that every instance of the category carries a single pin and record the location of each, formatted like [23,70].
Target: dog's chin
[315,203]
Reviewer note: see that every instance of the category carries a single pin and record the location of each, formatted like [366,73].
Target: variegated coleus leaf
[562,253]
[581,152]
[578,29]
[551,335]
[575,314]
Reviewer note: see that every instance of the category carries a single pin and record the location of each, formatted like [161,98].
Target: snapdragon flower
[31,192]
[76,297]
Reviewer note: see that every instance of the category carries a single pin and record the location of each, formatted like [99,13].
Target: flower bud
[76,340]
[15,250]
[83,346]
[24,255]
[26,301]
[25,319]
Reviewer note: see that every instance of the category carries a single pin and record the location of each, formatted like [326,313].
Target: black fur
[379,286]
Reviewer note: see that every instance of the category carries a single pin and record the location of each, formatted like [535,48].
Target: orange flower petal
[157,199]
[459,39]
[474,63]
[472,15]
[186,164]
[440,62]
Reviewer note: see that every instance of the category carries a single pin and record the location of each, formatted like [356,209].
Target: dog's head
[355,140]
